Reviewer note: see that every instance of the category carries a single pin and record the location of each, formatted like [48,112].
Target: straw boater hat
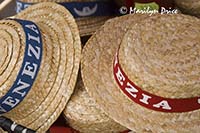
[84,115]
[89,14]
[41,62]
[152,83]
[189,6]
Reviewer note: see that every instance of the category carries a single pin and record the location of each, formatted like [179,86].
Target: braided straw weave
[189,6]
[83,114]
[59,67]
[86,25]
[161,54]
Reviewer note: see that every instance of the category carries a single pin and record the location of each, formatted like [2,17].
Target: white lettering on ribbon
[30,69]
[120,77]
[10,101]
[30,37]
[198,101]
[145,99]
[148,100]
[131,90]
[163,104]
[32,27]
[33,50]
[20,88]
[19,7]
[86,11]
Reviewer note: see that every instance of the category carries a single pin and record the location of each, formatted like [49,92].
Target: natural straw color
[87,25]
[189,6]
[83,114]
[59,67]
[160,54]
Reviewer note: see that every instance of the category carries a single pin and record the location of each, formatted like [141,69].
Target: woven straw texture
[189,6]
[83,114]
[59,67]
[87,25]
[160,54]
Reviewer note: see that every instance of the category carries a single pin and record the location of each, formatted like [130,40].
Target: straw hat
[158,65]
[87,24]
[55,56]
[189,6]
[84,115]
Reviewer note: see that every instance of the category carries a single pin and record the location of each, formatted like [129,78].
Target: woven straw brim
[97,74]
[189,6]
[59,68]
[83,114]
[87,25]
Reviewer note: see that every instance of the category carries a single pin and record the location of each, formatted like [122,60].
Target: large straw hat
[87,24]
[158,65]
[83,114]
[189,6]
[58,49]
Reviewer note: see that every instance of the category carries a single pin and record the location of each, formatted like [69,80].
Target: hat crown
[22,62]
[56,43]
[3,49]
[11,52]
[161,55]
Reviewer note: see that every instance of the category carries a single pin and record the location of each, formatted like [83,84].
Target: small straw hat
[40,54]
[83,114]
[144,72]
[189,6]
[89,14]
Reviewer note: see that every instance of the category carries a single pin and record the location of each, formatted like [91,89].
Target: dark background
[9,10]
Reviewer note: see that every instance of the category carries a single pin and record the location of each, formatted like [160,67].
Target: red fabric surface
[60,126]
[60,129]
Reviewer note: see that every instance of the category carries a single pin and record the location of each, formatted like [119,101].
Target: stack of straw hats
[40,54]
[189,6]
[89,14]
[144,72]
[83,114]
